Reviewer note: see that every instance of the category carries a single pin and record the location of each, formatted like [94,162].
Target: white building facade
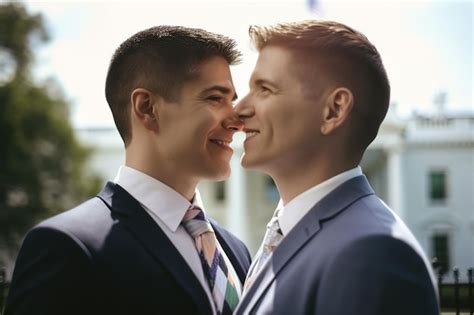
[438,187]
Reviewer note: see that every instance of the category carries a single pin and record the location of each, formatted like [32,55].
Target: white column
[236,201]
[394,174]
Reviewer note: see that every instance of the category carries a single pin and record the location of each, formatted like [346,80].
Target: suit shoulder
[381,256]
[83,224]
[371,216]
[385,268]
[378,246]
[88,211]
[380,253]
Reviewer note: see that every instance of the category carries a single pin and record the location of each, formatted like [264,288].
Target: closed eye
[264,87]
[218,94]
[215,98]
[264,90]
[220,100]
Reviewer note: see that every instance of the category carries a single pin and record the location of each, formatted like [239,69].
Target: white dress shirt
[167,208]
[291,213]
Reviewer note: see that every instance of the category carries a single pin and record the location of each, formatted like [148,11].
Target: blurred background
[59,143]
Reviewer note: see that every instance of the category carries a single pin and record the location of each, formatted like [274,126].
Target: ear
[143,108]
[337,109]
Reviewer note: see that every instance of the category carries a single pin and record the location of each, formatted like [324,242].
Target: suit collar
[291,213]
[165,202]
[130,213]
[340,199]
[328,208]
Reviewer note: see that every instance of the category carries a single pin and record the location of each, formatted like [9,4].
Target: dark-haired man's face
[195,132]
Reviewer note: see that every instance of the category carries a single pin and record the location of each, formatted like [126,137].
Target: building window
[271,191]
[440,250]
[219,191]
[437,186]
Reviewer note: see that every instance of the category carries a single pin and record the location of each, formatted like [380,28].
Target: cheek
[293,128]
[282,119]
[203,127]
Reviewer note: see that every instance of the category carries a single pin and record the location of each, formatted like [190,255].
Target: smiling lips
[225,144]
[249,133]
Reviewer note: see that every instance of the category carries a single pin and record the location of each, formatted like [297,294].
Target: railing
[455,297]
[3,288]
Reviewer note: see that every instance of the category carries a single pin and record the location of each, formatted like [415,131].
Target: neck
[294,181]
[162,170]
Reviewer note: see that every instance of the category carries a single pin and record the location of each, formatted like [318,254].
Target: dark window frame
[440,247]
[220,191]
[438,187]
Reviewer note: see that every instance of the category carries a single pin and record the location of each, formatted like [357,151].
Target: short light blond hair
[344,56]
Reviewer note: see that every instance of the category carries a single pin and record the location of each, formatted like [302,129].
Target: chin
[247,162]
[220,173]
[221,176]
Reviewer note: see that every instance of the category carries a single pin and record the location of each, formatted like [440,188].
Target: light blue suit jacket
[349,255]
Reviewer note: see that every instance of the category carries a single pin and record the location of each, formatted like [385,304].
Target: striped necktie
[273,237]
[215,269]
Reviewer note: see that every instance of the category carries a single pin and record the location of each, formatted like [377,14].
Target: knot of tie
[274,225]
[273,236]
[195,222]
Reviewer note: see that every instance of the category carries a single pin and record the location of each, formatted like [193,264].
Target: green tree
[42,165]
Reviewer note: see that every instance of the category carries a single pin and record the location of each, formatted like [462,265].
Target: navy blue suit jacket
[108,256]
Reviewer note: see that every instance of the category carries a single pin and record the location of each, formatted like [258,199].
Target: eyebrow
[220,88]
[261,82]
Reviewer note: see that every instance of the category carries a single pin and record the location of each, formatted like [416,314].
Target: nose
[244,110]
[233,123]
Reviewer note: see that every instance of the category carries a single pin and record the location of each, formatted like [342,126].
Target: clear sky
[427,46]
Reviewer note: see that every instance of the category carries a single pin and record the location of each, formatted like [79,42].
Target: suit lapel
[150,235]
[234,258]
[327,209]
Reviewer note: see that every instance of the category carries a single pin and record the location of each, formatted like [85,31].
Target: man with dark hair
[318,95]
[145,245]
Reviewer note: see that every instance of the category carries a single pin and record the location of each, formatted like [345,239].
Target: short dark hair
[160,59]
[346,57]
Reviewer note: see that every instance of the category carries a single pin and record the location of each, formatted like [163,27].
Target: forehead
[213,71]
[273,57]
[276,64]
[291,70]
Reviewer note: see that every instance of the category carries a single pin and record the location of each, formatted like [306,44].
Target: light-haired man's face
[282,125]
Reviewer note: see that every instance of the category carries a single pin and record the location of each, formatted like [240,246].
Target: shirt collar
[290,214]
[163,201]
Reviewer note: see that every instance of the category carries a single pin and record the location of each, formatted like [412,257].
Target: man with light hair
[317,97]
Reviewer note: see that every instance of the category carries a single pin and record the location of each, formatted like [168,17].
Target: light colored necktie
[273,237]
[215,269]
